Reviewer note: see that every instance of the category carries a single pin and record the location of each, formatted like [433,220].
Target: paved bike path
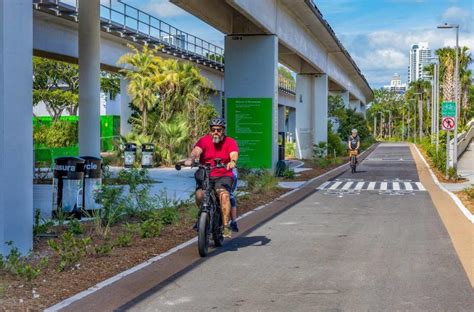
[338,250]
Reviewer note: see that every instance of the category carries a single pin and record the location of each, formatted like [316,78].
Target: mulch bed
[315,170]
[52,286]
[466,200]
[440,175]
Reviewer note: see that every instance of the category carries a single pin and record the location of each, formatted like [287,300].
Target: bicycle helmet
[217,122]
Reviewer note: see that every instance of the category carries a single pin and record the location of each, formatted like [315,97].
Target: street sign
[448,123]
[448,109]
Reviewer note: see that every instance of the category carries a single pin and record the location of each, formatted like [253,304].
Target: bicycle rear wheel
[203,234]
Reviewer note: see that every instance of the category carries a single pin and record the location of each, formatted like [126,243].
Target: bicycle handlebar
[180,164]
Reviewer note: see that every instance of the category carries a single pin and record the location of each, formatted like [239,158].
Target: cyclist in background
[354,141]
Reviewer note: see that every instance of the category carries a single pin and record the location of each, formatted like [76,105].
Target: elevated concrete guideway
[302,40]
[307,44]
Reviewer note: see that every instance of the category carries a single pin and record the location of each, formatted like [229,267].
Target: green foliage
[290,150]
[335,145]
[320,150]
[25,267]
[168,215]
[438,159]
[469,191]
[113,207]
[110,84]
[103,249]
[40,225]
[151,228]
[61,133]
[258,181]
[69,249]
[288,173]
[452,174]
[174,137]
[205,113]
[124,239]
[75,227]
[354,120]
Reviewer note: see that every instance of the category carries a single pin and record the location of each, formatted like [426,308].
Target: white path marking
[359,186]
[396,186]
[420,186]
[383,186]
[371,186]
[335,185]
[408,186]
[347,185]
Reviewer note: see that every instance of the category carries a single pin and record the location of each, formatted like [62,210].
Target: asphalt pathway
[374,242]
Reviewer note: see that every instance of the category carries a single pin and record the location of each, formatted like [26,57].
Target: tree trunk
[420,116]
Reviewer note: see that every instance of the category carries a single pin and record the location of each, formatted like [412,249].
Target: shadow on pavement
[242,242]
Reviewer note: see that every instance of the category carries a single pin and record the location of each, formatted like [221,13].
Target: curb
[456,200]
[68,301]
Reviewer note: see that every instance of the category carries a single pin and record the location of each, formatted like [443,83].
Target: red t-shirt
[221,150]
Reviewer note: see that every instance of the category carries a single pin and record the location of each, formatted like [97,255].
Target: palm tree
[417,89]
[142,67]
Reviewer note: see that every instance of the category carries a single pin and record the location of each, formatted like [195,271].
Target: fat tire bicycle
[210,222]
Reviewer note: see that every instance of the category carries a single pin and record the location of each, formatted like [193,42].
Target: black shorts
[218,182]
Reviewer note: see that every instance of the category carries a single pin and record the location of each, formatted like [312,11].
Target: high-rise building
[396,85]
[419,57]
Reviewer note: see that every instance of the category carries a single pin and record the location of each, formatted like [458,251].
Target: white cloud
[163,8]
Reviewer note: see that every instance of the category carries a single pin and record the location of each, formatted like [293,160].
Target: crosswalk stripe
[359,185]
[420,186]
[347,185]
[335,185]
[408,186]
[323,186]
[396,186]
[383,186]
[371,186]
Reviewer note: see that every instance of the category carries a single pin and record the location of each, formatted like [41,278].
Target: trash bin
[281,145]
[147,155]
[92,182]
[68,185]
[130,154]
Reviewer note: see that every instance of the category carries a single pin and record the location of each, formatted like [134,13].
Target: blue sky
[377,33]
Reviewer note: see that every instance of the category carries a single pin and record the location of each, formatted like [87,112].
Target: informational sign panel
[448,123]
[249,121]
[448,109]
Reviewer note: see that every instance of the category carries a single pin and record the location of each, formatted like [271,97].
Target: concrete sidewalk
[465,170]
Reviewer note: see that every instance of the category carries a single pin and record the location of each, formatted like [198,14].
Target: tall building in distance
[396,85]
[419,57]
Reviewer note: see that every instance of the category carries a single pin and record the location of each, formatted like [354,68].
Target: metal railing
[132,23]
[138,26]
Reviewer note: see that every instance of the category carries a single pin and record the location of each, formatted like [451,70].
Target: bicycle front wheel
[203,234]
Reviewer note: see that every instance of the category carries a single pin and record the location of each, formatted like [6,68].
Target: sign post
[448,113]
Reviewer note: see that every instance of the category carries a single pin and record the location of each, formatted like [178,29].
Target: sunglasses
[217,130]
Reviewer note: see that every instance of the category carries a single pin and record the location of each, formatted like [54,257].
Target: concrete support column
[251,78]
[303,118]
[125,110]
[281,118]
[355,104]
[292,123]
[89,77]
[16,112]
[345,99]
[320,116]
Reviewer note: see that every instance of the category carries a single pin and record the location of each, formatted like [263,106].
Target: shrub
[69,249]
[335,146]
[288,173]
[290,150]
[75,227]
[60,133]
[26,268]
[41,226]
[469,191]
[168,215]
[113,206]
[103,249]
[124,240]
[151,228]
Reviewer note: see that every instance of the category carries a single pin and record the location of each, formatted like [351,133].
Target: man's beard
[216,139]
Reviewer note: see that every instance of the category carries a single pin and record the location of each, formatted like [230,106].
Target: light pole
[456,93]
[435,102]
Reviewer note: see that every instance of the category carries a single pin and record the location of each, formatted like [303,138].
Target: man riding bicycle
[217,145]
[354,141]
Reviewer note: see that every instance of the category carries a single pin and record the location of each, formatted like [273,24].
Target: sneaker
[233,226]
[227,232]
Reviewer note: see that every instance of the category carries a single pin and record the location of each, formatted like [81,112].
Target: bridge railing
[128,21]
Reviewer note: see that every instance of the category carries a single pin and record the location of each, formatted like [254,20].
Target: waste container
[147,155]
[68,185]
[281,145]
[92,182]
[130,152]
